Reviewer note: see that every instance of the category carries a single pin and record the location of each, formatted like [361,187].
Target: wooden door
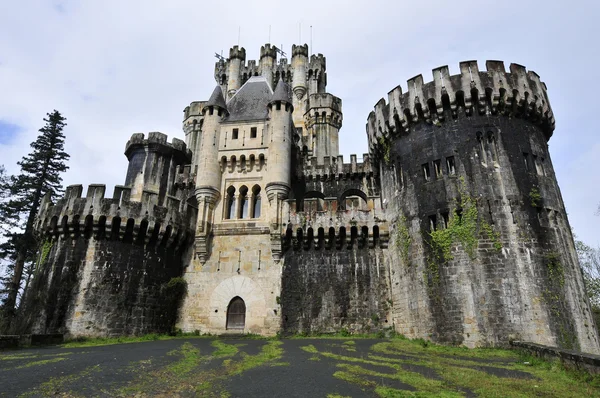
[236,314]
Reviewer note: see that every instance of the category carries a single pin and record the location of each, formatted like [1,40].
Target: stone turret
[209,170]
[237,58]
[268,58]
[299,64]
[323,121]
[279,159]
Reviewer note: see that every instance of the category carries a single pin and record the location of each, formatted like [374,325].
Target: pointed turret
[217,99]
[282,93]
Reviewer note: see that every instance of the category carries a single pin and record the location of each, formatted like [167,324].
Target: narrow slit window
[526,160]
[437,167]
[253,132]
[426,171]
[235,134]
[450,165]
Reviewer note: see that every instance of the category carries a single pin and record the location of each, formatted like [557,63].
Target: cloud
[118,67]
[8,132]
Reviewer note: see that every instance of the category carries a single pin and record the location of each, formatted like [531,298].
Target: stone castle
[452,228]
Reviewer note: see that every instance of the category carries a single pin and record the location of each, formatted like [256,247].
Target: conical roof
[217,99]
[282,93]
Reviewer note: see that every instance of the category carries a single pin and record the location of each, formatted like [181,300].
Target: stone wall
[240,265]
[88,287]
[522,279]
[329,290]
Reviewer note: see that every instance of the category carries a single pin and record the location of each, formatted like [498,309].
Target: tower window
[450,165]
[235,134]
[426,171]
[244,202]
[256,202]
[437,167]
[253,132]
[526,160]
[230,204]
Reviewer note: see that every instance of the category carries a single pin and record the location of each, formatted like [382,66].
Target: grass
[382,368]
[451,371]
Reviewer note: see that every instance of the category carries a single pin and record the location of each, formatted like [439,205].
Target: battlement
[118,217]
[268,51]
[194,109]
[317,62]
[299,50]
[237,52]
[335,168]
[519,93]
[333,225]
[157,142]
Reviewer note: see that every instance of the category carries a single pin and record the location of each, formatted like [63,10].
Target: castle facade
[452,228]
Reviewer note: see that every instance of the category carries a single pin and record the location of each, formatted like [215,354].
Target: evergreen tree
[40,175]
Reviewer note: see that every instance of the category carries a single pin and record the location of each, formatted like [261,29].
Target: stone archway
[236,314]
[222,296]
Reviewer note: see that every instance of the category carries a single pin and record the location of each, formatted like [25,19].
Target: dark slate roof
[282,93]
[216,99]
[250,101]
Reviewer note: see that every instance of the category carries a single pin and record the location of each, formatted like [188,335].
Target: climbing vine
[45,251]
[463,227]
[535,198]
[403,240]
[386,149]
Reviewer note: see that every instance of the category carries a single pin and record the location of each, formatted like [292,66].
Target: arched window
[236,314]
[353,199]
[244,202]
[256,202]
[230,204]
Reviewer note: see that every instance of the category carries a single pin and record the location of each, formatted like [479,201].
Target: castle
[452,228]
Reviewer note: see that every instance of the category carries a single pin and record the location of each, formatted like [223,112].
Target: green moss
[385,149]
[45,251]
[535,198]
[403,240]
[463,228]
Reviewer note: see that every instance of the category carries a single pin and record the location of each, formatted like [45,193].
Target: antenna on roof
[220,57]
[279,51]
[311,50]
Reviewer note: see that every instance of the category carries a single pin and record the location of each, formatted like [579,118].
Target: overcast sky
[115,67]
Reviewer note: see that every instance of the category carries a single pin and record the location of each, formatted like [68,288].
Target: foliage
[386,149]
[403,240]
[40,175]
[589,260]
[535,198]
[463,227]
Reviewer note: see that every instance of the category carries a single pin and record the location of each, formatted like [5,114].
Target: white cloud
[118,67]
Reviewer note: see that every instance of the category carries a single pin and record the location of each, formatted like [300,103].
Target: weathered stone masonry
[451,228]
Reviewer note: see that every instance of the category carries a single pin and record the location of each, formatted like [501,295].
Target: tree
[40,175]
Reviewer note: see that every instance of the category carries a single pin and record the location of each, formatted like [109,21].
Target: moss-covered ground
[301,367]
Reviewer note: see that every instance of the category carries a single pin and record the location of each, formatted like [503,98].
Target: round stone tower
[481,251]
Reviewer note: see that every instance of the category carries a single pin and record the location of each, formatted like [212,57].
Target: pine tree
[40,175]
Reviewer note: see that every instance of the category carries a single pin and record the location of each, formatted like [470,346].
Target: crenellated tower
[471,191]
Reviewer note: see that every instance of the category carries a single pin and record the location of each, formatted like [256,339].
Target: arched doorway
[236,314]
